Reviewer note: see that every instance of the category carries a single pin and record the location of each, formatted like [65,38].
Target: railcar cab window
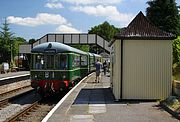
[49,61]
[84,60]
[62,62]
[39,62]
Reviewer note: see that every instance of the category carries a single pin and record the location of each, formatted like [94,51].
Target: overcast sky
[35,18]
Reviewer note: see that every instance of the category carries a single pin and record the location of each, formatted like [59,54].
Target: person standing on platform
[104,67]
[98,67]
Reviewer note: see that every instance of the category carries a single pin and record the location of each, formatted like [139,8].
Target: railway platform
[13,74]
[94,102]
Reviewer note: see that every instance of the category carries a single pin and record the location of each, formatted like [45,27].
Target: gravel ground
[10,111]
[17,105]
[12,86]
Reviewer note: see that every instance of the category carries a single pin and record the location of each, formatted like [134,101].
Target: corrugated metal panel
[147,69]
[116,72]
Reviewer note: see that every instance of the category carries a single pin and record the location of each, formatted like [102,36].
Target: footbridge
[69,39]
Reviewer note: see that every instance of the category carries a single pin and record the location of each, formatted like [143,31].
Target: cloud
[110,12]
[67,29]
[53,5]
[85,2]
[43,19]
[40,19]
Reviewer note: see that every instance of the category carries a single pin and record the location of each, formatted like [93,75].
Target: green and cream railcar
[55,66]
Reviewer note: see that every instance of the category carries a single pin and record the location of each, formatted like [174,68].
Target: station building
[141,61]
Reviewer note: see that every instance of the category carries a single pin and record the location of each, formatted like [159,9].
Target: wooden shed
[141,61]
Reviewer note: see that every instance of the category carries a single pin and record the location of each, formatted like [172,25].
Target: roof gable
[141,28]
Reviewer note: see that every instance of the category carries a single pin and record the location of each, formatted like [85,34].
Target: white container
[5,66]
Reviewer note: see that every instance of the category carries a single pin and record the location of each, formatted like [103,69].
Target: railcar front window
[39,62]
[50,61]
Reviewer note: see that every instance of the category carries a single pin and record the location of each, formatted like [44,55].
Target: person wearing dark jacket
[98,68]
[104,67]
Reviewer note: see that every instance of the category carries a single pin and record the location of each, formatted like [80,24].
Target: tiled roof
[141,27]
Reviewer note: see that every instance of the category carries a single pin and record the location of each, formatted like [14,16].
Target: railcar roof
[90,54]
[96,55]
[58,47]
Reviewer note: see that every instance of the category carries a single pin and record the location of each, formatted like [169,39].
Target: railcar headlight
[35,76]
[46,74]
[64,76]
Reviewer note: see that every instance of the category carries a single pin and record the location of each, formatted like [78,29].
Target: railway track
[8,96]
[33,113]
[12,105]
[15,90]
[23,112]
[28,110]
[4,102]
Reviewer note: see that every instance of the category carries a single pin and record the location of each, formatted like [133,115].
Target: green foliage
[17,41]
[176,50]
[164,14]
[9,44]
[6,42]
[31,41]
[106,31]
[82,47]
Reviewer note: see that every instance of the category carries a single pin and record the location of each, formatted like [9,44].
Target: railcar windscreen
[38,61]
[49,61]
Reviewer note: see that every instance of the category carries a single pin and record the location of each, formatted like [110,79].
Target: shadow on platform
[102,96]
[95,96]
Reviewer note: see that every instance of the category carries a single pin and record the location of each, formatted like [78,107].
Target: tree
[31,41]
[176,50]
[164,14]
[17,41]
[104,30]
[6,42]
[82,47]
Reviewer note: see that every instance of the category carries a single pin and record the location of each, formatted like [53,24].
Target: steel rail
[15,90]
[23,112]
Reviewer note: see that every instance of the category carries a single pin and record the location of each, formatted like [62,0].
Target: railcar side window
[38,62]
[84,60]
[92,61]
[76,61]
